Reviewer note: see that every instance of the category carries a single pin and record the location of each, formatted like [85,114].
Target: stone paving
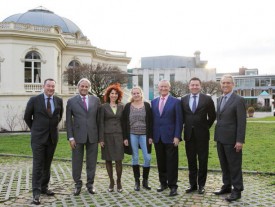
[15,189]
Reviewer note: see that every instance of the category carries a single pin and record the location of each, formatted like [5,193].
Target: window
[161,76]
[32,67]
[151,86]
[172,78]
[140,81]
[73,78]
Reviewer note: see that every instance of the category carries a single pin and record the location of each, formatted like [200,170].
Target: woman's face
[113,96]
[136,94]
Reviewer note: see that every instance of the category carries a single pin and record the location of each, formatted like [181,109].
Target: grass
[269,118]
[258,152]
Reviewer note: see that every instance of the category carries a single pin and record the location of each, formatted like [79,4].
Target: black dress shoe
[47,192]
[162,188]
[233,196]
[223,191]
[36,199]
[201,190]
[77,191]
[173,192]
[91,190]
[191,189]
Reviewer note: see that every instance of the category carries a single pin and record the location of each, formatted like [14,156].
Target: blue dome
[43,17]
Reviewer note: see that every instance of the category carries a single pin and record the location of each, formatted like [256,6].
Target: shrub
[250,109]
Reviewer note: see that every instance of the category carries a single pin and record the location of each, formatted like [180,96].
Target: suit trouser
[91,160]
[231,165]
[195,148]
[168,161]
[42,159]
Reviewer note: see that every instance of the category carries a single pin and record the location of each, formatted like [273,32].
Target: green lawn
[258,152]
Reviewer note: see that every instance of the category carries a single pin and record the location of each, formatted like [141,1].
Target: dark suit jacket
[231,121]
[126,126]
[40,122]
[169,124]
[80,123]
[110,122]
[200,121]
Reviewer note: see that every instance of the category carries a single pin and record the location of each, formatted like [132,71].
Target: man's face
[83,88]
[49,88]
[226,85]
[194,86]
[164,88]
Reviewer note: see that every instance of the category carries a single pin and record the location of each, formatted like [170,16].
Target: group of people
[138,125]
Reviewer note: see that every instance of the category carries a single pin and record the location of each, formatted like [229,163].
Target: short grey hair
[165,81]
[84,79]
[228,76]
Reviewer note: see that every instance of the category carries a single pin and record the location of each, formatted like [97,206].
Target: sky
[229,34]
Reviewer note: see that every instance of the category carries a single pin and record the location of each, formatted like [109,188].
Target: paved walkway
[15,189]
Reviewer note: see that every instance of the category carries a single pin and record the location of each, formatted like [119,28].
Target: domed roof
[43,17]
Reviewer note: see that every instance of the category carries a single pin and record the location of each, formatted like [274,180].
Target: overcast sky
[229,33]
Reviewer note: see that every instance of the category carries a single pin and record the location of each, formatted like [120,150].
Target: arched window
[32,67]
[72,75]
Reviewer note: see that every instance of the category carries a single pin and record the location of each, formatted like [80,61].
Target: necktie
[194,106]
[49,108]
[223,102]
[161,105]
[84,103]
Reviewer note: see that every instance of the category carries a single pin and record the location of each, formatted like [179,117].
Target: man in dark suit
[230,136]
[167,129]
[42,115]
[198,116]
[82,117]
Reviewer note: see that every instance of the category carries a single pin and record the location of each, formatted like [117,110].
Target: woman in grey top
[137,129]
[111,139]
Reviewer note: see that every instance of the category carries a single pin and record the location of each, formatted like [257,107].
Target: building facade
[36,45]
[256,89]
[172,68]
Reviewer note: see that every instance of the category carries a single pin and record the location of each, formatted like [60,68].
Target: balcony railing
[33,87]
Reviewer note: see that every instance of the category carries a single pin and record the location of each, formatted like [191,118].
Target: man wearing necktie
[198,117]
[82,118]
[167,129]
[230,135]
[42,115]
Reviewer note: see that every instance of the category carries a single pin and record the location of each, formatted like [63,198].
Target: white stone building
[172,68]
[36,45]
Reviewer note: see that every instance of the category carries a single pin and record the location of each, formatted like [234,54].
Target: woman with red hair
[111,139]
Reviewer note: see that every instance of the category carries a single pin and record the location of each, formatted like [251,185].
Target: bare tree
[21,121]
[11,117]
[210,87]
[178,88]
[100,75]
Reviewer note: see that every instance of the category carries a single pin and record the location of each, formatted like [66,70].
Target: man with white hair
[82,132]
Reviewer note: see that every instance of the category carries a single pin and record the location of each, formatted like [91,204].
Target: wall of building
[180,74]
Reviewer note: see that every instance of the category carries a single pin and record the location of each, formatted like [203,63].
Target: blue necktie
[194,106]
